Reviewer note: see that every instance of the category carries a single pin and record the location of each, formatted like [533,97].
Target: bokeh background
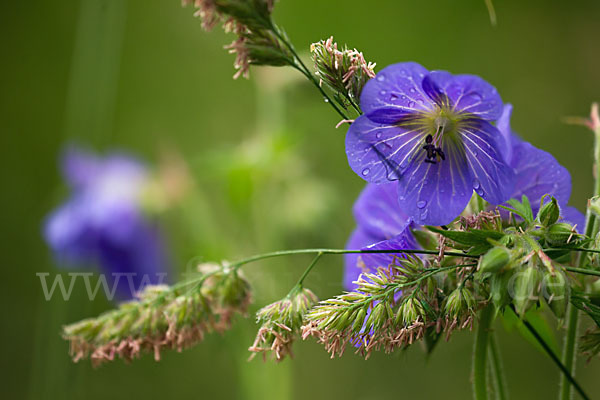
[269,171]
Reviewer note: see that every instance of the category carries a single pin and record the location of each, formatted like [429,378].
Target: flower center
[441,123]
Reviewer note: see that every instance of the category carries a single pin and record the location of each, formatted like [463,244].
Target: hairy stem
[497,369]
[569,355]
[480,353]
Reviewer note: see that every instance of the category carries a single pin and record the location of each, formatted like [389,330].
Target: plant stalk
[480,389]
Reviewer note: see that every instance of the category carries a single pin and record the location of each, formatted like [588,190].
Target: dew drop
[401,198]
[380,78]
[476,184]
[480,192]
[383,93]
[412,90]
[403,97]
[366,171]
[411,104]
[378,135]
[423,215]
[326,100]
[421,203]
[393,97]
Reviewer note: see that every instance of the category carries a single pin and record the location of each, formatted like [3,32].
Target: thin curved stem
[497,369]
[308,269]
[569,355]
[305,71]
[480,353]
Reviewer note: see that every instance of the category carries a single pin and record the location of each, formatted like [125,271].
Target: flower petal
[377,152]
[538,173]
[377,211]
[79,167]
[352,269]
[573,216]
[493,179]
[404,241]
[467,93]
[435,194]
[395,91]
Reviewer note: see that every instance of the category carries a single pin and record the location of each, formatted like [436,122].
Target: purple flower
[537,172]
[102,221]
[381,226]
[432,133]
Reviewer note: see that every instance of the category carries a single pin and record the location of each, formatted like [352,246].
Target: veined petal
[395,91]
[377,211]
[435,194]
[378,153]
[538,173]
[352,268]
[372,261]
[466,93]
[573,216]
[493,179]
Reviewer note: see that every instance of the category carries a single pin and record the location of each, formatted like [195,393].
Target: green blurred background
[269,168]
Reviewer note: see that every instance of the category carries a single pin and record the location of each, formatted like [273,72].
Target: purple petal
[134,264]
[79,167]
[67,233]
[372,261]
[435,194]
[508,137]
[493,179]
[378,152]
[377,211]
[394,92]
[358,240]
[467,93]
[538,173]
[573,216]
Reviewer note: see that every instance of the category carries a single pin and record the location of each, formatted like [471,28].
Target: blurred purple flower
[381,226]
[102,222]
[537,173]
[432,133]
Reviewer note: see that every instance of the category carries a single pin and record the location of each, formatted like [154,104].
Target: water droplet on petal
[480,192]
[421,203]
[383,93]
[411,104]
[412,90]
[366,171]
[403,97]
[380,78]
[393,97]
[423,215]
[401,198]
[378,135]
[476,184]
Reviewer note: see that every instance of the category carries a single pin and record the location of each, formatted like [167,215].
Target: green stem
[497,369]
[305,71]
[569,355]
[480,389]
[280,253]
[308,269]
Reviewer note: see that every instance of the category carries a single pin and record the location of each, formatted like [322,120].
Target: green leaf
[473,237]
[539,323]
[521,208]
[582,302]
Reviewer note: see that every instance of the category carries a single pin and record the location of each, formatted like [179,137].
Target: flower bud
[549,213]
[557,292]
[499,289]
[559,234]
[526,288]
[494,260]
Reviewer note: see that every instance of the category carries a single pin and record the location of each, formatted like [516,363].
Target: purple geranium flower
[103,223]
[381,226]
[432,133]
[537,172]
